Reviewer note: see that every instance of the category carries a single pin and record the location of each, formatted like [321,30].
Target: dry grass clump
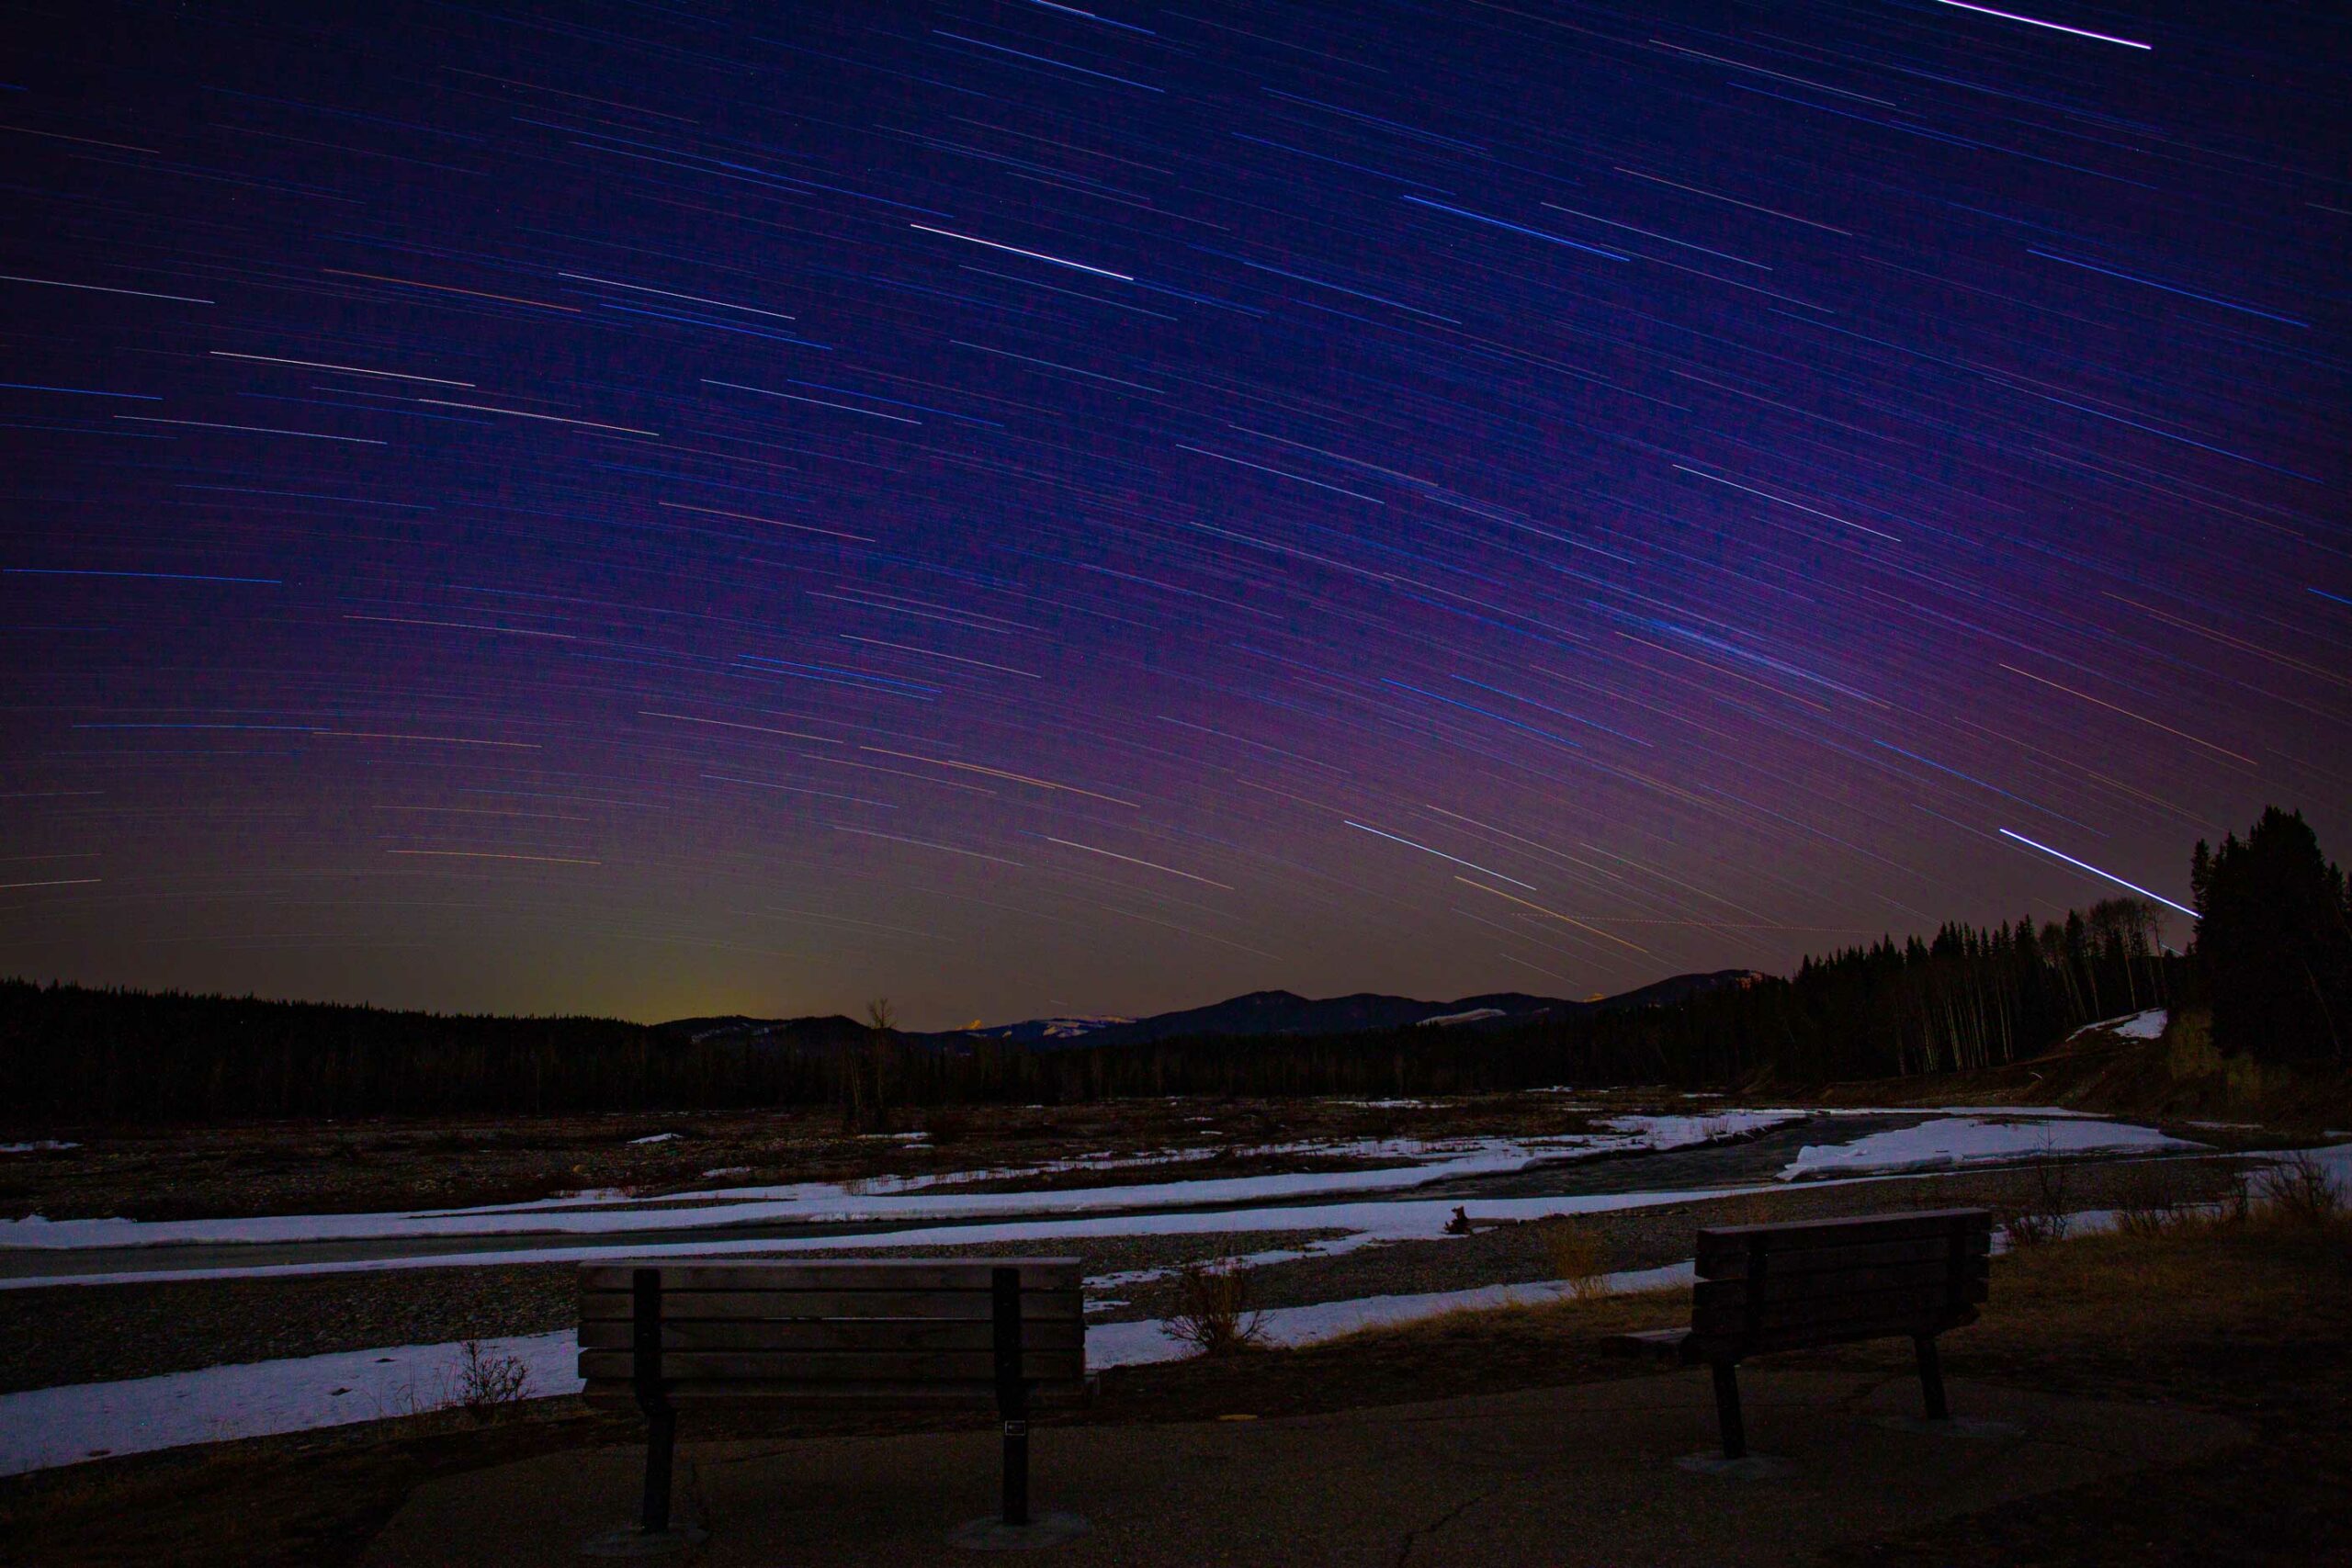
[1216,1317]
[1566,1331]
[1579,1257]
[2199,1260]
[2154,1198]
[2296,1191]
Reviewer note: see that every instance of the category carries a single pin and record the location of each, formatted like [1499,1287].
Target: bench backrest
[912,1331]
[1789,1287]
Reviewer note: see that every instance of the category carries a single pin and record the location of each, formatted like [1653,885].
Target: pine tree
[2274,939]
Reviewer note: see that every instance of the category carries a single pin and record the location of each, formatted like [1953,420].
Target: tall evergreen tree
[2274,939]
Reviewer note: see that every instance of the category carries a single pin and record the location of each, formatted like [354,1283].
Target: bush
[488,1380]
[2042,1215]
[1578,1259]
[2301,1191]
[1216,1318]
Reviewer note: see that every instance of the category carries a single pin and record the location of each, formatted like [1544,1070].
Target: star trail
[663,508]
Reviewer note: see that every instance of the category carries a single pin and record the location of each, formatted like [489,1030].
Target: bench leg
[1016,1467]
[1734,1432]
[1012,1390]
[661,1448]
[1931,1378]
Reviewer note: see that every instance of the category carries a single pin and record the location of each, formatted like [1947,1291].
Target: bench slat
[1778,1239]
[1719,1261]
[976,1306]
[833,1366]
[612,1393]
[1872,1227]
[1779,1287]
[843,1334]
[892,1274]
[1801,1316]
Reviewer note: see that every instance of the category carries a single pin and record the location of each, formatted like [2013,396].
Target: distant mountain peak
[1252,1013]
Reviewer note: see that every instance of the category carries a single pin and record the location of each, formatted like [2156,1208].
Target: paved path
[1552,1476]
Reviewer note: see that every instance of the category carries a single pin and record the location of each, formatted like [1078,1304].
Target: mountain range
[1255,1013]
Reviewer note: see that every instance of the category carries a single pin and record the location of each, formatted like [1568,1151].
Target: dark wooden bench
[925,1332]
[1799,1287]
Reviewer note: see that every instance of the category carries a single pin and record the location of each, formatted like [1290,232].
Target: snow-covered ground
[64,1426]
[900,1200]
[48,1427]
[2147,1024]
[1365,1223]
[1133,1344]
[1954,1141]
[1262,1203]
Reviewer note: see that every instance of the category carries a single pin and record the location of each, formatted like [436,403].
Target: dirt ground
[2244,1319]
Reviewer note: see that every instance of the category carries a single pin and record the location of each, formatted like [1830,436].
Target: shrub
[2301,1191]
[488,1380]
[2041,1214]
[1216,1317]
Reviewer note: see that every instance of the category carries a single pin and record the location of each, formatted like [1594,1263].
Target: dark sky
[665,508]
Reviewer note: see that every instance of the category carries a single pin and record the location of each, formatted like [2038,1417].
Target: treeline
[2273,957]
[72,1053]
[1969,998]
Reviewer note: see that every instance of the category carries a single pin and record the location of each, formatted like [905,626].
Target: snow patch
[2146,1025]
[48,1427]
[1948,1141]
[1133,1344]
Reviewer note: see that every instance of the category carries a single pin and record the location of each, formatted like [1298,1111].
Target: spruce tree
[2274,938]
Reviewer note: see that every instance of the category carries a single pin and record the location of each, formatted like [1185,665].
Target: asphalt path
[1742,1163]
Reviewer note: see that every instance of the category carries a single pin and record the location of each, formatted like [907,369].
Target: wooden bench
[1798,1287]
[914,1333]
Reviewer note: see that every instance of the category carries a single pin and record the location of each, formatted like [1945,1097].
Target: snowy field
[901,1199]
[1371,1203]
[1347,1200]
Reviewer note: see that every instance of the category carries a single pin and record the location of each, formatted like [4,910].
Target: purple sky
[661,509]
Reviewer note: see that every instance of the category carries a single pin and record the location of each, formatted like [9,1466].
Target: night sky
[661,508]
